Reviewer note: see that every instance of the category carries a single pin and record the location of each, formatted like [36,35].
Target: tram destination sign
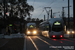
[57,23]
[31,26]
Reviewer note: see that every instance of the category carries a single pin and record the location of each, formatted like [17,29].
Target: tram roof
[52,20]
[28,24]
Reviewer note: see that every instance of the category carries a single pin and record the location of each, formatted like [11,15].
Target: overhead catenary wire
[43,6]
[41,13]
[52,3]
[33,2]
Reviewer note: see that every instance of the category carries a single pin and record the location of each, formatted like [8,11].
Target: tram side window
[43,27]
[49,28]
[40,27]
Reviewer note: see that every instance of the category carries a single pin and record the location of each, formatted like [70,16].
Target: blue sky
[56,6]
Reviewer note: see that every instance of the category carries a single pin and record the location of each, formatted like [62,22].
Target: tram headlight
[28,32]
[34,32]
[68,32]
[72,32]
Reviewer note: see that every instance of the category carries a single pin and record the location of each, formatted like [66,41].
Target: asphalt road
[12,44]
[37,43]
[42,43]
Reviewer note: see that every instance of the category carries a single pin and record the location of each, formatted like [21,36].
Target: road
[37,43]
[42,43]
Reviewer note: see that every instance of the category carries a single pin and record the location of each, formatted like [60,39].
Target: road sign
[31,26]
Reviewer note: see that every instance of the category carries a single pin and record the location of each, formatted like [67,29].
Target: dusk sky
[56,6]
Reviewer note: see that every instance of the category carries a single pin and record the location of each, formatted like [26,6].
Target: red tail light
[61,36]
[53,36]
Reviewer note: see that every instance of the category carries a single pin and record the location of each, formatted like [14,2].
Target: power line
[48,11]
[52,3]
[44,6]
[33,2]
[41,13]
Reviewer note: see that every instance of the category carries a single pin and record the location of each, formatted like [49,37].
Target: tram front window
[31,29]
[57,27]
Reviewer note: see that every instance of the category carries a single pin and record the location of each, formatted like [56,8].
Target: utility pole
[51,13]
[44,17]
[4,9]
[47,11]
[63,11]
[74,14]
[68,13]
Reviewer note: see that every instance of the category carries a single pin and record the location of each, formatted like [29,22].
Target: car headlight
[68,32]
[72,32]
[34,32]
[28,32]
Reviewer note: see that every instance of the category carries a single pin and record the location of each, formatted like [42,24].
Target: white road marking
[33,43]
[47,43]
[3,44]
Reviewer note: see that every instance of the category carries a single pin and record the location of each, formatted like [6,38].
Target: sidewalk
[12,36]
[68,36]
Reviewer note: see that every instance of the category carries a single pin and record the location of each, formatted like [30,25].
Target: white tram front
[52,28]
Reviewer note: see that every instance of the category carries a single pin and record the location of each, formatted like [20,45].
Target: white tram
[53,28]
[31,29]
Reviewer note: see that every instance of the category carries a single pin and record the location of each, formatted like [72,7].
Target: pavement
[12,36]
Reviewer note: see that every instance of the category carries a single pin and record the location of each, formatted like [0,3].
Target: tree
[37,19]
[33,19]
[17,9]
[41,20]
[28,19]
[19,6]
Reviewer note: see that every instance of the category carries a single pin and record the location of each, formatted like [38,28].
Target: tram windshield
[31,27]
[57,26]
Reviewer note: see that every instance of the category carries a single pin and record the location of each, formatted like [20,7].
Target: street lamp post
[51,13]
[68,13]
[4,9]
[73,14]
[63,11]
